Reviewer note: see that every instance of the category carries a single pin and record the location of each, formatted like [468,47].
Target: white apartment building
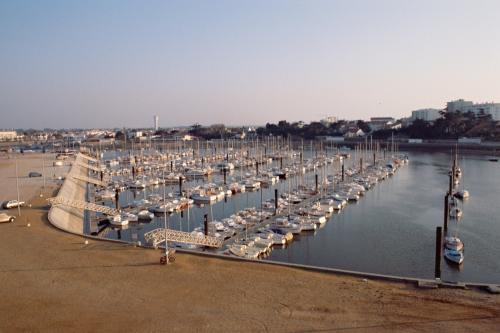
[426,114]
[492,109]
[329,120]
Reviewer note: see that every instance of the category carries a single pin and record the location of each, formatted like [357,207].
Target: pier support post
[374,158]
[281,162]
[343,171]
[450,190]
[133,172]
[180,185]
[446,211]
[117,199]
[205,224]
[171,166]
[316,180]
[224,171]
[439,246]
[361,165]
[275,201]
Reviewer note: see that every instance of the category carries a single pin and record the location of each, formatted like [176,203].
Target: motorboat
[130,217]
[456,213]
[165,208]
[454,256]
[136,185]
[453,243]
[118,220]
[145,215]
[203,199]
[462,194]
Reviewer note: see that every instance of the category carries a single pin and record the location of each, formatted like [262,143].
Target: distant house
[354,133]
[378,123]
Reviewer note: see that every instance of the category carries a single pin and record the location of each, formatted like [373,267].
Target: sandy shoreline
[52,281]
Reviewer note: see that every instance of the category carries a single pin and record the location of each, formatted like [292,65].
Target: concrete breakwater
[67,218]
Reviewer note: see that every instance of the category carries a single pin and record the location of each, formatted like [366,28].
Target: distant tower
[156,120]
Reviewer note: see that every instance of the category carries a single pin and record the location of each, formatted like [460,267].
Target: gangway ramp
[89,166]
[83,205]
[89,180]
[157,236]
[88,158]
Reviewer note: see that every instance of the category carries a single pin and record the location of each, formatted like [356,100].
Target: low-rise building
[378,123]
[8,135]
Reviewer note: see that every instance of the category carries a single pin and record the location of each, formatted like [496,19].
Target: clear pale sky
[117,63]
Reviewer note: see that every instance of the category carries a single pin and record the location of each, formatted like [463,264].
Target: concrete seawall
[68,218]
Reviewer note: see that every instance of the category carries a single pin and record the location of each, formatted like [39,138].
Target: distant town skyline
[111,64]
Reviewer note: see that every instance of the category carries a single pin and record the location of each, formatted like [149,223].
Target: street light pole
[17,188]
[43,170]
[165,216]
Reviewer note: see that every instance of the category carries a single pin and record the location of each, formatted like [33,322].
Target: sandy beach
[52,281]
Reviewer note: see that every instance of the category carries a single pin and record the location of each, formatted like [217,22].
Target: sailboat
[453,246]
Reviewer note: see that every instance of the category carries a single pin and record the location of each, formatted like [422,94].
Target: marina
[312,225]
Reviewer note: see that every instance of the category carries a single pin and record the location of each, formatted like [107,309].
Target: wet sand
[52,281]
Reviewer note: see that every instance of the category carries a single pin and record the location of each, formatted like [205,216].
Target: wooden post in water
[316,179]
[437,267]
[171,166]
[117,199]
[205,224]
[224,170]
[180,185]
[361,164]
[343,170]
[275,201]
[374,158]
[446,212]
[257,167]
[450,190]
[281,162]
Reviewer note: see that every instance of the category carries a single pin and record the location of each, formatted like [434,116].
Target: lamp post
[165,217]
[17,189]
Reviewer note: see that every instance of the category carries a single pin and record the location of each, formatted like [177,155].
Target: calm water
[390,231]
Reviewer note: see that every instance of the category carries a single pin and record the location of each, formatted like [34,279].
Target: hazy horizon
[109,64]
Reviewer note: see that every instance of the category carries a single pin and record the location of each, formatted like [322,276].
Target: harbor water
[391,230]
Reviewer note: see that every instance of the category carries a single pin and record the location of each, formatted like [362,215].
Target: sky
[108,64]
